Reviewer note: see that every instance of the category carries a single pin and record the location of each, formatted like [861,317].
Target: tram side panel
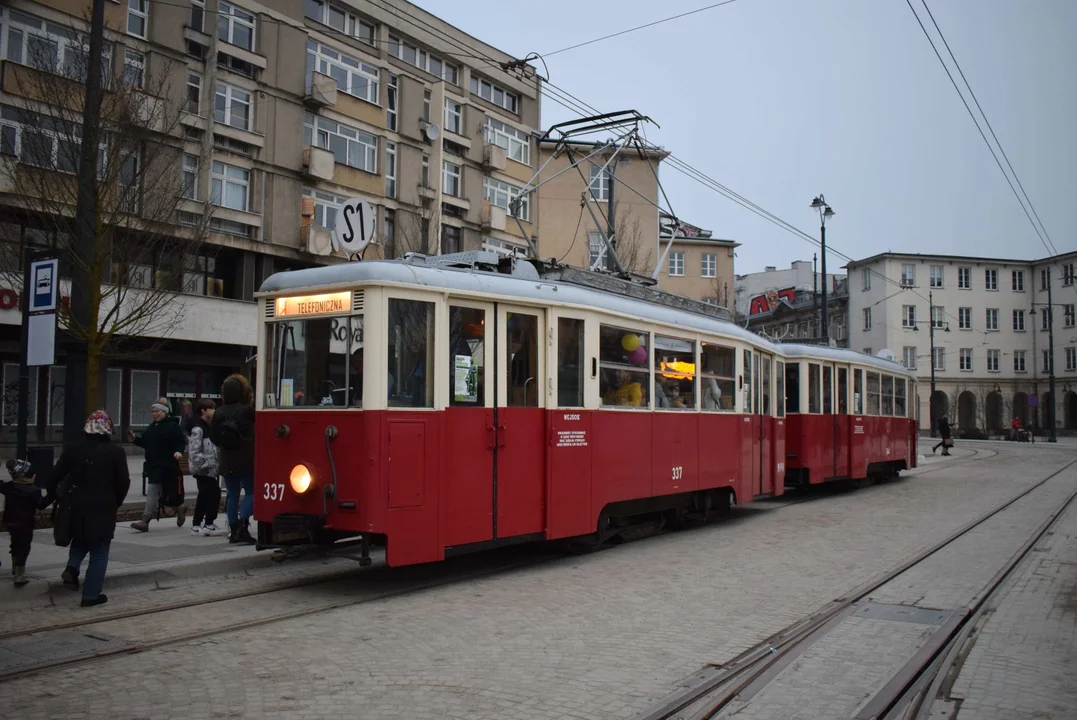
[622,458]
[468,472]
[410,474]
[720,452]
[569,508]
[675,459]
[778,452]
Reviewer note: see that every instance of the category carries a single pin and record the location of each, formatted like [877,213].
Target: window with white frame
[326,206]
[194,92]
[450,178]
[964,318]
[993,360]
[390,169]
[424,178]
[391,102]
[938,358]
[44,141]
[198,15]
[1047,364]
[1071,359]
[1043,278]
[938,315]
[991,279]
[495,94]
[1067,274]
[1045,318]
[231,186]
[51,47]
[454,117]
[353,77]
[865,275]
[323,12]
[908,316]
[235,26]
[965,359]
[503,195]
[866,351]
[350,146]
[867,318]
[232,106]
[189,187]
[599,183]
[1067,315]
[908,275]
[1018,320]
[964,278]
[1018,280]
[517,144]
[423,60]
[936,276]
[676,264]
[909,357]
[710,265]
[502,247]
[596,250]
[992,320]
[136,17]
[1019,361]
[134,68]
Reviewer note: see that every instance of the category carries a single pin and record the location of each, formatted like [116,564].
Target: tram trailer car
[438,410]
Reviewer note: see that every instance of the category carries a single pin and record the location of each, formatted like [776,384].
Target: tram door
[520,420]
[763,409]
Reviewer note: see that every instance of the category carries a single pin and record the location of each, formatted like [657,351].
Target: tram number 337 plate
[273,491]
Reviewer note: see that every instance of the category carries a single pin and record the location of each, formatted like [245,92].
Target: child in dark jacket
[23,500]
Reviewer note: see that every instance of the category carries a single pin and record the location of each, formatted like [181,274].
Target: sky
[781,100]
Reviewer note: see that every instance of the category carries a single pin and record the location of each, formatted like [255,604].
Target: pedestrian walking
[232,431]
[22,501]
[947,441]
[163,442]
[95,470]
[204,464]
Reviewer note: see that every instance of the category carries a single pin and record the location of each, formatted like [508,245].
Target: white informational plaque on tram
[354,227]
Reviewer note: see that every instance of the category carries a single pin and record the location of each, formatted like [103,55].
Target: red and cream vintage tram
[437,409]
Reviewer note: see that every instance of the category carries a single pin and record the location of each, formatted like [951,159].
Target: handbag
[948,443]
[172,494]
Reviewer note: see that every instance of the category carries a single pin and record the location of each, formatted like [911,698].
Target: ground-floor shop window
[145,389]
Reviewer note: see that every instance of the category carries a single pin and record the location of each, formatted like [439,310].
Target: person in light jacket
[204,465]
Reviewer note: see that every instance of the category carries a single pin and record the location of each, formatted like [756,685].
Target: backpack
[226,434]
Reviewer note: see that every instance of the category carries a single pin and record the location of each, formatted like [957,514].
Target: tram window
[765,367]
[570,362]
[792,388]
[888,395]
[843,391]
[747,379]
[779,395]
[674,373]
[815,404]
[467,357]
[873,393]
[624,377]
[309,363]
[718,377]
[355,362]
[858,392]
[523,384]
[828,390]
[899,397]
[411,353]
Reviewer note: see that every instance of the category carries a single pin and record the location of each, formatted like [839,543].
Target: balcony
[316,239]
[493,157]
[322,91]
[318,163]
[493,217]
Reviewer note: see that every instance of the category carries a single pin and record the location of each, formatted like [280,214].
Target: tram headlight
[301,479]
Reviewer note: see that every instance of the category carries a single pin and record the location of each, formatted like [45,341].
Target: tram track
[714,688]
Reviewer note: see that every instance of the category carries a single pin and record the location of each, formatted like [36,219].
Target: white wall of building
[798,275]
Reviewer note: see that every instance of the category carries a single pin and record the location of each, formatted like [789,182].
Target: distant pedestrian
[96,471]
[204,464]
[22,501]
[232,431]
[947,441]
[163,442]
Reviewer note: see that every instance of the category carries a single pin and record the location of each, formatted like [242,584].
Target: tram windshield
[315,362]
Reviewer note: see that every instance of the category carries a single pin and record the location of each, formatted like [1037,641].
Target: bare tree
[144,245]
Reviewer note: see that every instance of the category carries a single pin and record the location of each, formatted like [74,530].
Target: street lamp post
[825,211]
[931,336]
[1051,434]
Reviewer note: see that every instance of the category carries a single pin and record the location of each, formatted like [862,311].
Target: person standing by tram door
[232,431]
[164,443]
[947,441]
[204,466]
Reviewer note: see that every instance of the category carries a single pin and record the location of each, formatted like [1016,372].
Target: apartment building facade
[990,325]
[289,108]
[698,265]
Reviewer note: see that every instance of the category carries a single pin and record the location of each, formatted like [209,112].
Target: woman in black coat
[93,471]
[944,432]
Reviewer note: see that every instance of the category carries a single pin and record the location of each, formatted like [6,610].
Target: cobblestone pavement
[597,636]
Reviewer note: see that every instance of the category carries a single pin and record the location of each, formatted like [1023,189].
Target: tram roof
[404,272]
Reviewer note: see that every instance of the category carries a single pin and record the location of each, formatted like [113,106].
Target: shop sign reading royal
[326,304]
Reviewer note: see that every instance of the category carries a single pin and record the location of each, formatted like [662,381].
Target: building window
[44,142]
[326,207]
[964,278]
[965,359]
[388,233]
[1043,278]
[232,106]
[710,265]
[235,26]
[51,47]
[1018,320]
[503,195]
[600,183]
[938,358]
[450,239]
[194,92]
[492,93]
[517,143]
[391,102]
[992,360]
[991,279]
[1047,364]
[1019,361]
[424,60]
[1067,274]
[345,22]
[350,146]
[424,178]
[390,169]
[867,318]
[450,178]
[1067,315]
[865,274]
[1018,280]
[198,15]
[231,186]
[1045,318]
[936,276]
[136,17]
[596,250]
[867,351]
[992,320]
[189,188]
[909,357]
[964,318]
[454,117]
[134,68]
[1071,359]
[353,77]
[908,316]
[908,275]
[676,264]
[937,314]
